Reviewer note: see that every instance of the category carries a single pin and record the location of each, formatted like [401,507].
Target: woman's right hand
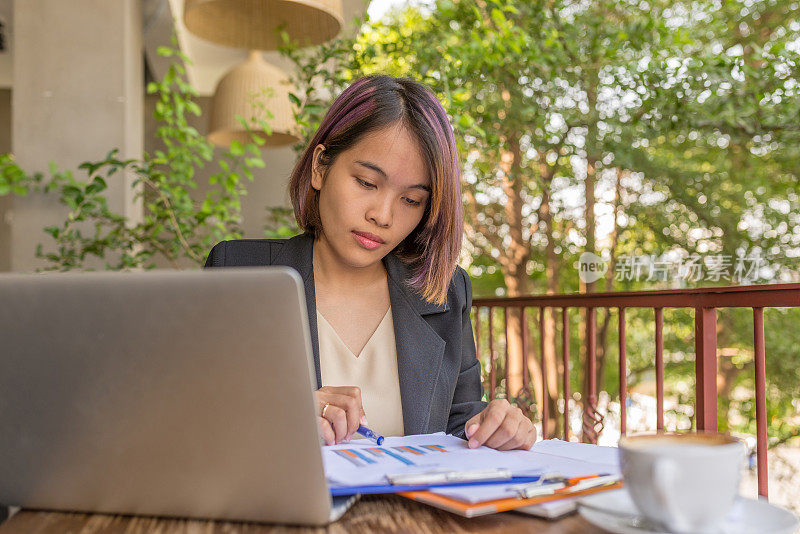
[339,421]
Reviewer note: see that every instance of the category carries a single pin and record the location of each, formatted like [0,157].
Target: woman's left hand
[502,427]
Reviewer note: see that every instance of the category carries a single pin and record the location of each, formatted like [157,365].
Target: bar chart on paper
[364,467]
[362,462]
[402,455]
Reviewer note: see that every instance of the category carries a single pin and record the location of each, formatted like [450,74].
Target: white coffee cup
[684,482]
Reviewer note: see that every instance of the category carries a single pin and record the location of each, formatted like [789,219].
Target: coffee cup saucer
[615,512]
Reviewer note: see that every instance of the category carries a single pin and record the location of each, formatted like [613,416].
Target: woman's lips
[366,242]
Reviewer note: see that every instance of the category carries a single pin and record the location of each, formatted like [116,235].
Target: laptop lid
[160,393]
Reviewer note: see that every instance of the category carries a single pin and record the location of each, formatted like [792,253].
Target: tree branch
[172,218]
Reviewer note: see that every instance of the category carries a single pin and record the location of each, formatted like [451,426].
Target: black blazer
[439,374]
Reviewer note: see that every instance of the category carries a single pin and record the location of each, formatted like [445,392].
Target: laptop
[164,393]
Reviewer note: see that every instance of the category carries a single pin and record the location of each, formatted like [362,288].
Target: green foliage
[280,223]
[176,226]
[321,73]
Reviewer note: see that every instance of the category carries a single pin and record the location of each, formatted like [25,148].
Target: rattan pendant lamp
[252,24]
[248,90]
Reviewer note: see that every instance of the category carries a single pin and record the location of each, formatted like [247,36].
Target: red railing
[705,302]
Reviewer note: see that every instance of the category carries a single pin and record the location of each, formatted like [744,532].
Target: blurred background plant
[176,229]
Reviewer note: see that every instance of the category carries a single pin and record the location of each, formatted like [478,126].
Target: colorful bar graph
[354,457]
[362,456]
[373,455]
[398,457]
[349,456]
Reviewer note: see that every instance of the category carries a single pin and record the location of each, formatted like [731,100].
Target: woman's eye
[365,183]
[370,185]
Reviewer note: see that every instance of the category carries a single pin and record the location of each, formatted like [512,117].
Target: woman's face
[373,196]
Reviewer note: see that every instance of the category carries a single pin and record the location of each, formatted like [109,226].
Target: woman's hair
[373,103]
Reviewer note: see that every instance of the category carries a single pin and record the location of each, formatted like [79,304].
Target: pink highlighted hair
[373,103]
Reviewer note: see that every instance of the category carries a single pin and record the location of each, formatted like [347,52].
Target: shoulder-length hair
[372,103]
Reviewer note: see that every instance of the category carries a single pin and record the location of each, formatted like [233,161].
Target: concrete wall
[5,202]
[78,70]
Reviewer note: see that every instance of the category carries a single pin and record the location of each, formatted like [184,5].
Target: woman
[377,192]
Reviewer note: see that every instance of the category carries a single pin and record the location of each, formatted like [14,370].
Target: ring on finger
[325,408]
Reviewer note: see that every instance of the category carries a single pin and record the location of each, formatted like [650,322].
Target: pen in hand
[367,433]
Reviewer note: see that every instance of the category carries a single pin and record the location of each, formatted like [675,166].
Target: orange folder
[500,505]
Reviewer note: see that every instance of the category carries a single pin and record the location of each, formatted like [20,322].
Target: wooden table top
[371,515]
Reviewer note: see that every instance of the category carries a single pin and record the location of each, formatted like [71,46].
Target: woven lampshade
[235,95]
[251,24]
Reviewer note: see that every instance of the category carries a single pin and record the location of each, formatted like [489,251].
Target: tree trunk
[514,259]
[591,169]
[551,271]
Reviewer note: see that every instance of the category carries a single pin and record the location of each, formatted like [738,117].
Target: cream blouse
[374,371]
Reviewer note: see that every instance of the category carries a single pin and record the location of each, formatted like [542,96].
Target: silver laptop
[182,394]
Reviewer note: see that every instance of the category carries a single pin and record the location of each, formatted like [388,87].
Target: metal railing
[704,301]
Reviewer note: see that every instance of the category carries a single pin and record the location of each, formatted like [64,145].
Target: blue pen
[367,433]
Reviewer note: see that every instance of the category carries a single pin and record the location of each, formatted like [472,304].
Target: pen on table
[548,485]
[367,433]
[450,477]
[593,482]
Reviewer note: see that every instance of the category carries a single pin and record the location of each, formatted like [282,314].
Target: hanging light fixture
[248,90]
[252,24]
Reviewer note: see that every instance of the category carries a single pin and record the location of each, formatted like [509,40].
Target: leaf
[498,18]
[95,187]
[236,148]
[255,162]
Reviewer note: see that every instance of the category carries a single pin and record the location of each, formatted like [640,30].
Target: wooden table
[371,515]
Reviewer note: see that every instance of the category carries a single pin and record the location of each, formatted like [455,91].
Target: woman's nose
[380,213]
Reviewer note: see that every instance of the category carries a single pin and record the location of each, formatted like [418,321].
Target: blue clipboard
[338,491]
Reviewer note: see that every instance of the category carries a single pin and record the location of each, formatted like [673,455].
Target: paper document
[548,457]
[578,451]
[362,462]
[551,509]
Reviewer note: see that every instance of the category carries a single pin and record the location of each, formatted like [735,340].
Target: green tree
[565,111]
